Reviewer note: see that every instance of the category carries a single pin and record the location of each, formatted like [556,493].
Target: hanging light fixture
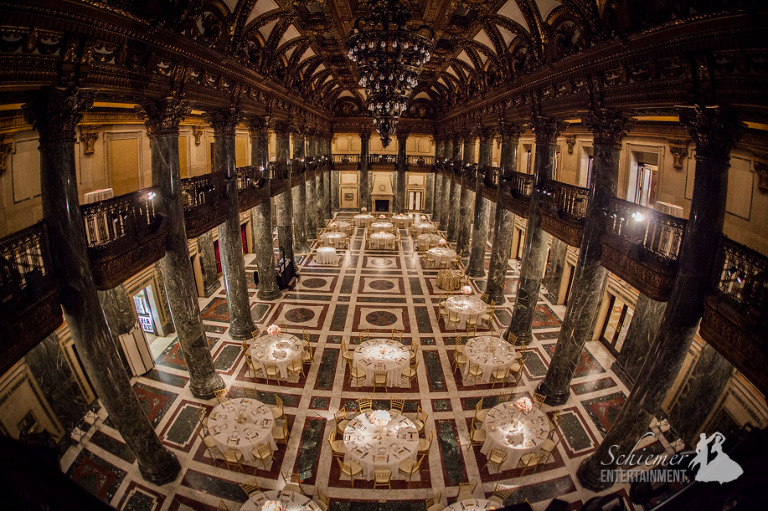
[389,54]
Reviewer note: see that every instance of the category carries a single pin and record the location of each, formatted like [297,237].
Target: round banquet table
[438,254]
[385,240]
[465,305]
[424,227]
[402,221]
[472,505]
[333,238]
[449,280]
[427,241]
[380,446]
[490,353]
[382,226]
[338,225]
[363,219]
[281,350]
[231,434]
[395,357]
[327,255]
[291,500]
[501,426]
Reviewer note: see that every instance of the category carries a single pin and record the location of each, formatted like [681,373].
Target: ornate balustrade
[346,161]
[29,293]
[250,186]
[279,175]
[420,163]
[520,189]
[125,234]
[563,209]
[642,246]
[205,204]
[382,161]
[736,310]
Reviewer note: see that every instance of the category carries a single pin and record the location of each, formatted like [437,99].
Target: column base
[500,299]
[268,295]
[203,389]
[241,332]
[472,272]
[212,288]
[554,397]
[164,472]
[589,476]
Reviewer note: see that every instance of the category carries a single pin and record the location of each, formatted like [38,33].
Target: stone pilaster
[365,183]
[300,217]
[589,278]
[54,113]
[505,219]
[476,266]
[641,335]
[261,214]
[402,166]
[536,240]
[162,119]
[241,324]
[714,131]
[206,256]
[284,201]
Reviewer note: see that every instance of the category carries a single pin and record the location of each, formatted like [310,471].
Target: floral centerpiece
[273,505]
[442,242]
[380,417]
[423,217]
[467,290]
[382,217]
[524,404]
[383,350]
[273,330]
[363,209]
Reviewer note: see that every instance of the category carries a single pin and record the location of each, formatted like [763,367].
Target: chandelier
[389,54]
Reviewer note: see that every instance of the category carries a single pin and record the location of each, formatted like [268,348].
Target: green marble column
[300,216]
[455,202]
[365,184]
[284,201]
[54,114]
[402,166]
[446,192]
[466,196]
[641,335]
[476,265]
[714,131]
[536,240]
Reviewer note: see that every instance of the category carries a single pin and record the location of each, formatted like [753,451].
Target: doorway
[414,200]
[616,324]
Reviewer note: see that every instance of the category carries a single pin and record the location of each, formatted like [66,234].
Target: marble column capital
[55,112]
[546,130]
[486,134]
[282,128]
[402,135]
[258,126]
[364,132]
[609,127]
[714,130]
[162,116]
[508,129]
[224,120]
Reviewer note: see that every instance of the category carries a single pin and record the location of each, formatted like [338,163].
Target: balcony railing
[641,246]
[29,294]
[420,163]
[346,161]
[279,170]
[382,160]
[491,176]
[125,234]
[204,202]
[563,209]
[735,315]
[250,184]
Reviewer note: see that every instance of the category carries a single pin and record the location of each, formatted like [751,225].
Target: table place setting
[490,353]
[472,505]
[279,500]
[380,439]
[278,348]
[382,226]
[363,219]
[465,305]
[382,354]
[441,253]
[516,428]
[241,423]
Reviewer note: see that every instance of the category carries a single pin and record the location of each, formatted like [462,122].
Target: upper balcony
[520,188]
[125,235]
[205,202]
[382,162]
[641,246]
[279,175]
[420,163]
[346,162]
[736,310]
[250,186]
[563,209]
[29,294]
[490,185]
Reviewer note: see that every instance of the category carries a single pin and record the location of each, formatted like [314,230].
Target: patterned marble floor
[376,290]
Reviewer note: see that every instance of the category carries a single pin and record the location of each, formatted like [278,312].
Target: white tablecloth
[490,353]
[333,238]
[291,500]
[423,227]
[439,254]
[327,255]
[338,225]
[402,221]
[381,446]
[449,280]
[382,226]
[280,350]
[382,240]
[465,305]
[472,505]
[503,421]
[363,219]
[230,434]
[395,357]
[427,241]
[98,195]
